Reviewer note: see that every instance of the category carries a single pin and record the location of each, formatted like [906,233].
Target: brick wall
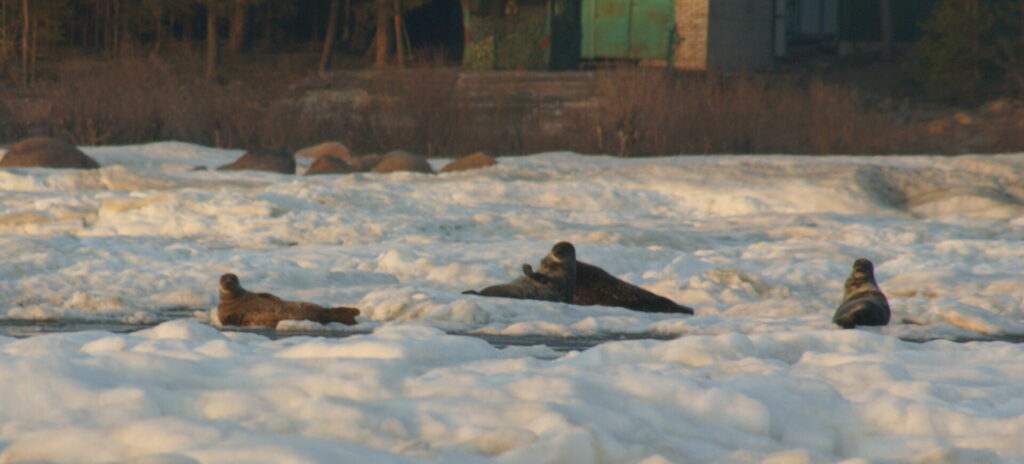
[692,28]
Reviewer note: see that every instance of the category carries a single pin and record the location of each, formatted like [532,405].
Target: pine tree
[954,59]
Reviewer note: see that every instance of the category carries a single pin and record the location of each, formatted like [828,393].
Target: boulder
[262,160]
[1001,105]
[963,118]
[335,149]
[329,164]
[474,161]
[367,162]
[46,152]
[398,160]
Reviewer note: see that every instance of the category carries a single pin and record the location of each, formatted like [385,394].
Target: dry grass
[644,112]
[652,112]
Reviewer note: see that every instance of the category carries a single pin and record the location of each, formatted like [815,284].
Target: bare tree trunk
[332,26]
[34,53]
[187,34]
[25,40]
[399,43]
[115,26]
[380,40]
[3,36]
[236,33]
[211,44]
[108,27]
[159,31]
[97,32]
[887,32]
[346,26]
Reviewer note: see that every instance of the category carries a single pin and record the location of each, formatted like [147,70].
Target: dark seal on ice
[863,302]
[240,307]
[554,281]
[595,286]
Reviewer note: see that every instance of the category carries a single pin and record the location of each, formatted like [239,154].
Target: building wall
[740,34]
[816,17]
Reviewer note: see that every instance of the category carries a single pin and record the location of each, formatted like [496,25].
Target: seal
[595,286]
[240,307]
[863,302]
[554,281]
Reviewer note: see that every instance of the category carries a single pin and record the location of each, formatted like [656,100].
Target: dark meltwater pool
[25,328]
[20,328]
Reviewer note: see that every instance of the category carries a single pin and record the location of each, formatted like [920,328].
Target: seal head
[230,284]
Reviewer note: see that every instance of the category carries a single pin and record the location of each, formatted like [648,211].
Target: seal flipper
[470,292]
[528,271]
[342,314]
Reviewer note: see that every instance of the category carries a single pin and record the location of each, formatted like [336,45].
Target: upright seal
[863,302]
[554,281]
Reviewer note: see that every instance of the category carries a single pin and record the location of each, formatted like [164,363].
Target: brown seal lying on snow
[595,286]
[238,306]
[863,302]
[554,281]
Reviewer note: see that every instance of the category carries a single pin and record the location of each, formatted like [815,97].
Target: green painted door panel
[605,28]
[650,25]
[637,29]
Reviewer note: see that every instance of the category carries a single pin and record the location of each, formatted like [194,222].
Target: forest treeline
[30,29]
[242,73]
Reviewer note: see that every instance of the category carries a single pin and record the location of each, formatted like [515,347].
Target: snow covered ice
[758,245]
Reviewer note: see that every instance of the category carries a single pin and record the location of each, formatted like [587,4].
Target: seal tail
[340,314]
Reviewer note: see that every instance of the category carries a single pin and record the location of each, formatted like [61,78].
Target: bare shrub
[112,103]
[654,112]
[413,109]
[438,111]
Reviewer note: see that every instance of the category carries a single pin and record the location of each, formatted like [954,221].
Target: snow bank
[754,243]
[185,392]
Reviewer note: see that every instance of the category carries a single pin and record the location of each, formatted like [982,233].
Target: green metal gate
[633,29]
